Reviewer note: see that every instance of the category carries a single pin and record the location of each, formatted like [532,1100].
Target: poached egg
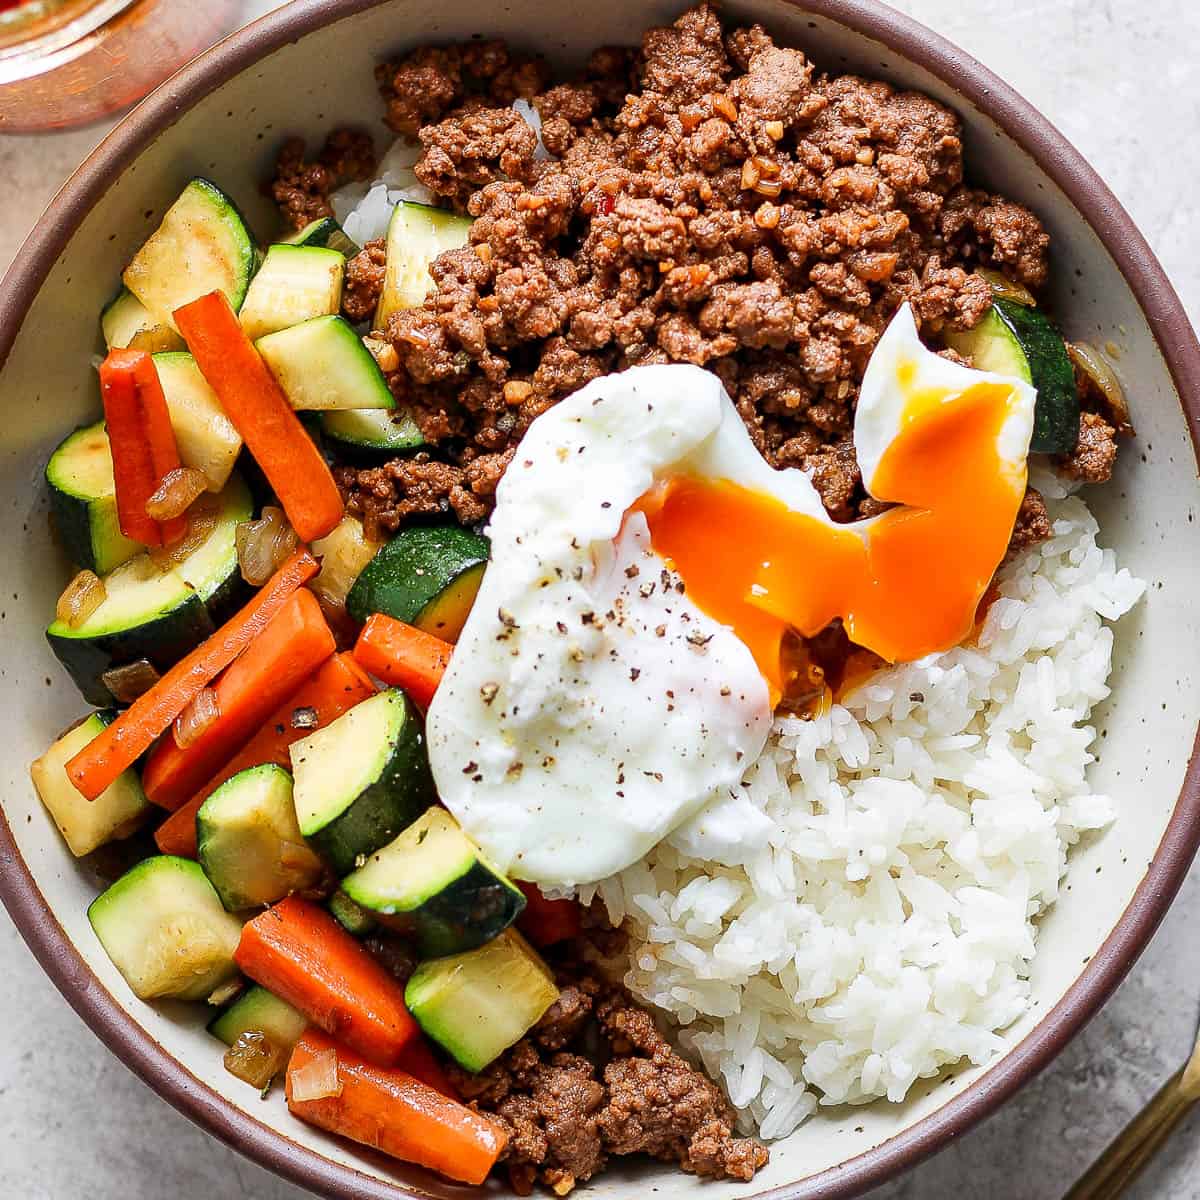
[619,670]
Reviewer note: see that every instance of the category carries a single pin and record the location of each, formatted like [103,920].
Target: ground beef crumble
[711,198]
[567,1112]
[301,189]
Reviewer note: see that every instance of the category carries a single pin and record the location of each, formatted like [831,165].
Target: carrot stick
[397,1114]
[118,746]
[336,686]
[156,423]
[260,412]
[545,922]
[133,467]
[403,656]
[274,665]
[299,952]
[419,1061]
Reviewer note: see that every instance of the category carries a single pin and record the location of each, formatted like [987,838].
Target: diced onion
[1004,288]
[1097,369]
[255,1058]
[202,520]
[343,554]
[196,717]
[176,493]
[81,597]
[263,545]
[132,680]
[225,993]
[318,1078]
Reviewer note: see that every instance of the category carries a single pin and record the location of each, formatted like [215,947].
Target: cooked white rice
[882,924]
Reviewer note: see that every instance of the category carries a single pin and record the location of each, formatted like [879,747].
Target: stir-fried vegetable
[294,643]
[403,656]
[299,952]
[133,732]
[260,411]
[390,1110]
[336,686]
[142,442]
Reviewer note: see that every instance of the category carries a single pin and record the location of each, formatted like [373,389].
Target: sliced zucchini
[248,842]
[83,494]
[439,884]
[294,284]
[258,1011]
[1015,339]
[155,614]
[427,576]
[117,812]
[323,365]
[163,926]
[324,231]
[342,554]
[206,437]
[373,429]
[126,324]
[417,234]
[353,918]
[362,779]
[201,246]
[475,1005]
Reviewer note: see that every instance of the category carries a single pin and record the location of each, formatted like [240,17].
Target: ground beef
[385,497]
[428,83]
[301,189]
[566,1115]
[364,281]
[714,199]
[1095,454]
[1032,524]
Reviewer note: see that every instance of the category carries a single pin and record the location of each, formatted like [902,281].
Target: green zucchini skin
[324,231]
[163,640]
[435,884]
[205,589]
[342,828]
[366,433]
[1017,339]
[1056,417]
[477,1004]
[83,497]
[413,569]
[352,917]
[258,1010]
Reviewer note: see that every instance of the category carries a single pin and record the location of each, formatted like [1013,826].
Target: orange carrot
[419,1061]
[273,666]
[260,412]
[164,451]
[133,466]
[545,922]
[403,656]
[299,952]
[118,747]
[397,1114]
[337,685]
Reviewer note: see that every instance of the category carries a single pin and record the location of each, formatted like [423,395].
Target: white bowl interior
[1146,514]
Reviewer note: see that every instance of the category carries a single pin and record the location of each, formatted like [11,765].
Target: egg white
[589,708]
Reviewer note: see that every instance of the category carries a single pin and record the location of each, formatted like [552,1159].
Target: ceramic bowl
[308,67]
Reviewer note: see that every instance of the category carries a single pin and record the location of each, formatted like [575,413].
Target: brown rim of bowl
[1177,342]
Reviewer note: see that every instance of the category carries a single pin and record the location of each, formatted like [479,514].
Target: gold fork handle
[1136,1144]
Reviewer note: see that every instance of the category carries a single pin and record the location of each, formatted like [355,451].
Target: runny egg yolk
[906,583]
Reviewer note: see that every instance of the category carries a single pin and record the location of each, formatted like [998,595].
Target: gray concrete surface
[1122,79]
